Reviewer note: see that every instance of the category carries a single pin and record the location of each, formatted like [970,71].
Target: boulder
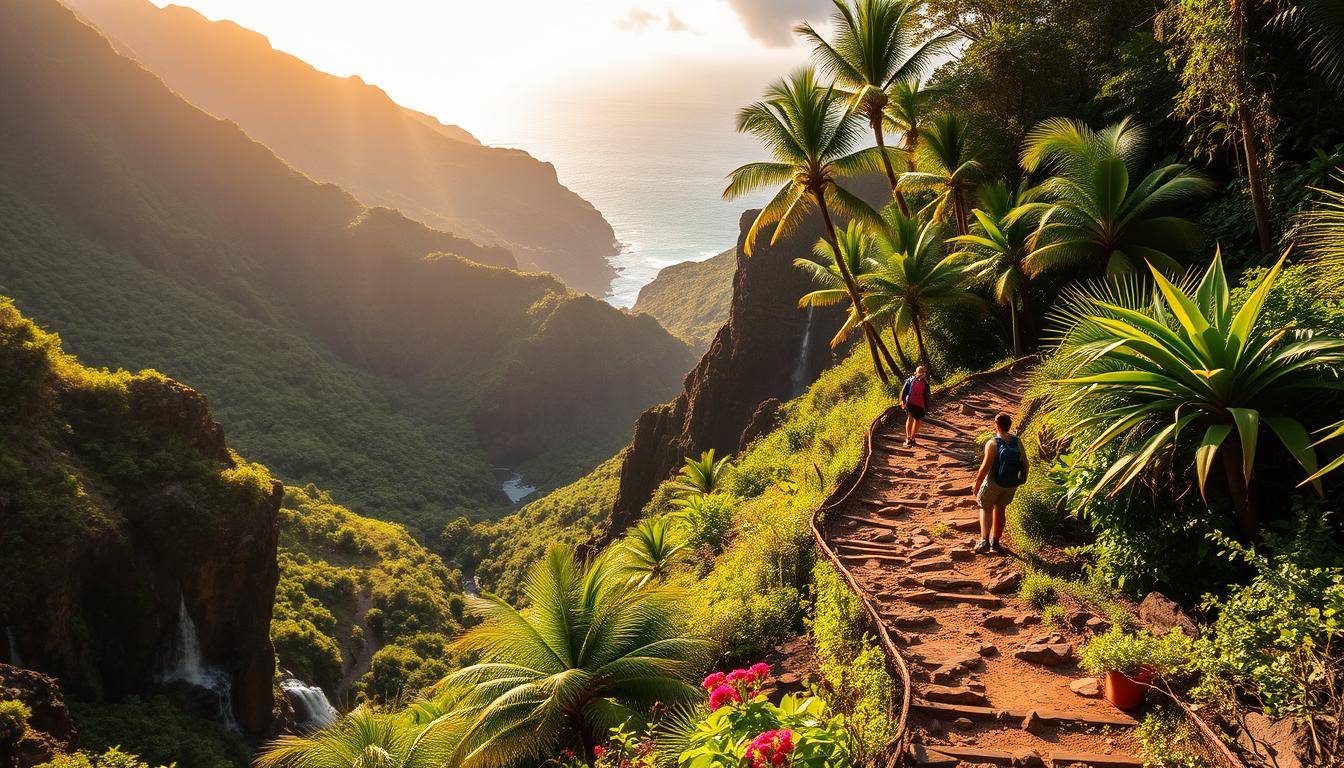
[1005,583]
[1277,743]
[50,729]
[1163,614]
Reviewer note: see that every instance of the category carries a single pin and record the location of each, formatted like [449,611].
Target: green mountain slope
[344,345]
[348,132]
[692,299]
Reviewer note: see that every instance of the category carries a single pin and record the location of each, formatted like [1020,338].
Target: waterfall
[799,380]
[212,686]
[312,710]
[15,660]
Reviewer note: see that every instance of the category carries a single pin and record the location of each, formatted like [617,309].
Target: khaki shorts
[992,495]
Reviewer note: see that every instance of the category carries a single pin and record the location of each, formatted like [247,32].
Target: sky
[488,65]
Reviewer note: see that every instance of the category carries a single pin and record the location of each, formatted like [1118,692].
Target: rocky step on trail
[991,686]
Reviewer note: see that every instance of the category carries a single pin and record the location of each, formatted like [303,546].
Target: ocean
[655,165]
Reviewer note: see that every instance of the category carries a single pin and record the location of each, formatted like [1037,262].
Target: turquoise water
[655,166]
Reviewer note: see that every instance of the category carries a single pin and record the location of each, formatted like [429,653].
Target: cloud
[675,24]
[637,19]
[771,21]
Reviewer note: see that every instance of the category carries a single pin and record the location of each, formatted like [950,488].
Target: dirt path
[905,534]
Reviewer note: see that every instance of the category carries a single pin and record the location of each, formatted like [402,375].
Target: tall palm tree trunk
[1017,335]
[1255,179]
[959,209]
[900,353]
[852,287]
[919,340]
[876,122]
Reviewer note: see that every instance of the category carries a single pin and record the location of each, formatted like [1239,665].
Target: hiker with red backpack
[915,400]
[1002,471]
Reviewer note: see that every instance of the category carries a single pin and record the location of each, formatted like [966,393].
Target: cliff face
[692,299]
[50,730]
[348,132]
[757,355]
[120,506]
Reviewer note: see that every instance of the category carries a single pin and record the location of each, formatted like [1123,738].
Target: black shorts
[915,411]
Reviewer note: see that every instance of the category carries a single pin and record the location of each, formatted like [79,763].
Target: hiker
[1004,468]
[915,400]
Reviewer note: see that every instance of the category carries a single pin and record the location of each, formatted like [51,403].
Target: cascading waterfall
[312,710]
[799,380]
[15,660]
[186,664]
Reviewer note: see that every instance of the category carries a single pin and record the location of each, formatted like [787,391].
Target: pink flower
[772,747]
[739,676]
[761,670]
[599,751]
[712,681]
[723,694]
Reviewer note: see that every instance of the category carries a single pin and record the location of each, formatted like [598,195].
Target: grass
[942,531]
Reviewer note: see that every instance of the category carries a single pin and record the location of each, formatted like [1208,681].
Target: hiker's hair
[1004,421]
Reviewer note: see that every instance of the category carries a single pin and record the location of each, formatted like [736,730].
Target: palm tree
[946,164]
[1318,26]
[1191,361]
[651,551]
[366,738]
[1323,235]
[915,276]
[857,248]
[702,476]
[591,653]
[908,104]
[998,249]
[812,134]
[1092,213]
[875,44]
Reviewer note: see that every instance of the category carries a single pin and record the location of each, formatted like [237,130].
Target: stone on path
[1006,583]
[1047,654]
[959,695]
[1088,687]
[1033,723]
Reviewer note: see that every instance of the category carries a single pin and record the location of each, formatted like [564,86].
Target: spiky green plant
[700,476]
[1189,362]
[1318,26]
[915,276]
[367,738]
[811,133]
[998,246]
[1092,213]
[873,45]
[946,164]
[651,551]
[590,653]
[1323,235]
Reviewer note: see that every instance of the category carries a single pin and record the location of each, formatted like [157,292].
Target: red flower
[712,681]
[599,751]
[771,747]
[760,670]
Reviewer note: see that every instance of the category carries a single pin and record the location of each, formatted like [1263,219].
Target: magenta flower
[771,747]
[712,681]
[761,670]
[723,694]
[740,676]
[599,751]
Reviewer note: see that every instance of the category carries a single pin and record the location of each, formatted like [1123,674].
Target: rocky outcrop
[50,729]
[754,357]
[128,510]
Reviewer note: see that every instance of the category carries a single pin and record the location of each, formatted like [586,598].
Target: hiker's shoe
[982,547]
[995,547]
[908,443]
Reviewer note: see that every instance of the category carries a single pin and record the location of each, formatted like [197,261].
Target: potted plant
[1129,662]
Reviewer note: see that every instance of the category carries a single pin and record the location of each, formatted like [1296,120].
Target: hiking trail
[991,684]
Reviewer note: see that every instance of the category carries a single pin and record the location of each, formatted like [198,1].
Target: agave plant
[812,134]
[1194,364]
[591,653]
[367,738]
[702,476]
[1098,209]
[651,550]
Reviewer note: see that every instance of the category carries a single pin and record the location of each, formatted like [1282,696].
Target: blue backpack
[1008,468]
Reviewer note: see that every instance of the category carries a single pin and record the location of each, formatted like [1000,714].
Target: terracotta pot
[1127,691]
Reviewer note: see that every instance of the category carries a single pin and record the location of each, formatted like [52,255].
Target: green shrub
[1053,616]
[112,758]
[1037,589]
[1163,735]
[13,721]
[1119,651]
[307,652]
[158,730]
[726,737]
[708,519]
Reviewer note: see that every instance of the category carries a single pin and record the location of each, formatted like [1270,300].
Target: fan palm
[1091,212]
[874,44]
[651,551]
[857,248]
[946,164]
[366,738]
[998,248]
[1318,26]
[812,134]
[591,653]
[1192,362]
[1323,234]
[914,277]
